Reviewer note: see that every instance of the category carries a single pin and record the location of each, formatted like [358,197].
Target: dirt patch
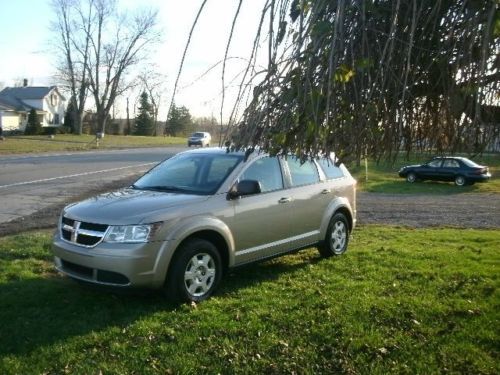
[460,210]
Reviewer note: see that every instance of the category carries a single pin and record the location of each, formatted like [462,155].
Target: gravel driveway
[457,210]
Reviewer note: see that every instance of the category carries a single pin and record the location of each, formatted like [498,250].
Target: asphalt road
[29,183]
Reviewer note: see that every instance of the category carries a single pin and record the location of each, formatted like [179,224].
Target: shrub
[33,126]
[49,130]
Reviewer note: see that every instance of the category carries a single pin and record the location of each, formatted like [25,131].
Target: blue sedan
[450,168]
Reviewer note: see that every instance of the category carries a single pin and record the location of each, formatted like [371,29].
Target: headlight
[129,233]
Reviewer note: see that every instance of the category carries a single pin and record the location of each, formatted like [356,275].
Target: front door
[260,224]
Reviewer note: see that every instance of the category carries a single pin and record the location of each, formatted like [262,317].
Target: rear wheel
[195,272]
[337,236]
[460,181]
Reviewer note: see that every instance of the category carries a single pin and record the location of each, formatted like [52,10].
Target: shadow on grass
[43,311]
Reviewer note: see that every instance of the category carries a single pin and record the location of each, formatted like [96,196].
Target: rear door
[308,199]
[450,169]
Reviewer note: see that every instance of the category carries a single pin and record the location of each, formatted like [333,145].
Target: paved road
[29,183]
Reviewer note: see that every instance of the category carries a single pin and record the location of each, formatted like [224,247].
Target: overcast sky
[24,51]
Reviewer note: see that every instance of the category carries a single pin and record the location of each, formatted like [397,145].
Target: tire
[411,177]
[195,272]
[337,237]
[460,181]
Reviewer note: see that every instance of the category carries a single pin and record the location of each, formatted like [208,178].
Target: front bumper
[122,265]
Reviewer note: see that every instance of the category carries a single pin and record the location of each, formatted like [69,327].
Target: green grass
[400,301]
[383,178]
[69,142]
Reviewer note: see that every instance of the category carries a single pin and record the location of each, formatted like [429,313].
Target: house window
[53,99]
[56,119]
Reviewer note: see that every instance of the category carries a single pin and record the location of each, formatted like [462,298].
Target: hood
[411,166]
[129,206]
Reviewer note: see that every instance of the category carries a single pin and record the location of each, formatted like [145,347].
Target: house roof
[12,103]
[12,97]
[6,107]
[28,92]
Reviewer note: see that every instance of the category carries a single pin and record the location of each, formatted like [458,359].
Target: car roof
[215,151]
[449,157]
[223,150]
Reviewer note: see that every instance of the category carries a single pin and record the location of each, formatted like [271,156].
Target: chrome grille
[82,233]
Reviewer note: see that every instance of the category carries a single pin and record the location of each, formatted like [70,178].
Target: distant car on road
[199,139]
[449,168]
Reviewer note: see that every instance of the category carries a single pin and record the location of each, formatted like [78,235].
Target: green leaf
[344,74]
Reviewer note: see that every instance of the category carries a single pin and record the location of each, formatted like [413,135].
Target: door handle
[285,200]
[326,191]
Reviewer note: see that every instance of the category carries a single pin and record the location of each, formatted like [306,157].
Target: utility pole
[128,120]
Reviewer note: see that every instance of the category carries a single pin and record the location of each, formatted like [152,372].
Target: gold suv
[193,216]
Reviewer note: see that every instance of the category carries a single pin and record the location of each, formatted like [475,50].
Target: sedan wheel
[460,181]
[411,177]
[337,236]
[195,271]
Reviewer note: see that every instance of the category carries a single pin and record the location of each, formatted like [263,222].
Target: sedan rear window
[470,163]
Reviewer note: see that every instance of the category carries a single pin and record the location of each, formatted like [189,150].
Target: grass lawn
[401,301]
[69,142]
[383,178]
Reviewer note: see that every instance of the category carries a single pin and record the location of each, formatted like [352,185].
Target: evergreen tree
[33,126]
[144,124]
[70,116]
[179,121]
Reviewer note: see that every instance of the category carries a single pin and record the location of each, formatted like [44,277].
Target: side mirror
[245,187]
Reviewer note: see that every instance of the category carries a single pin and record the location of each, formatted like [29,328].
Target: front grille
[82,233]
[87,273]
[76,269]
[111,278]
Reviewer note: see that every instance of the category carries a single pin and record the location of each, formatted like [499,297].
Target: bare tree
[99,47]
[73,47]
[153,83]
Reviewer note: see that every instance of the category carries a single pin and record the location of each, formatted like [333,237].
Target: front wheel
[411,177]
[337,236]
[195,272]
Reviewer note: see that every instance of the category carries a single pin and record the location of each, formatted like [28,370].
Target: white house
[17,102]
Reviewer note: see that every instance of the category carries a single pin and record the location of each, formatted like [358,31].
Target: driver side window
[435,163]
[267,171]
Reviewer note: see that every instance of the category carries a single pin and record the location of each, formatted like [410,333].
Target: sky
[25,51]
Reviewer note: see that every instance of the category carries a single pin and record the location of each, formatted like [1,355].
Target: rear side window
[267,171]
[330,169]
[302,174]
[450,163]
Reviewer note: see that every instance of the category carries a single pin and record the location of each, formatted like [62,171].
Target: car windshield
[197,135]
[188,173]
[470,163]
